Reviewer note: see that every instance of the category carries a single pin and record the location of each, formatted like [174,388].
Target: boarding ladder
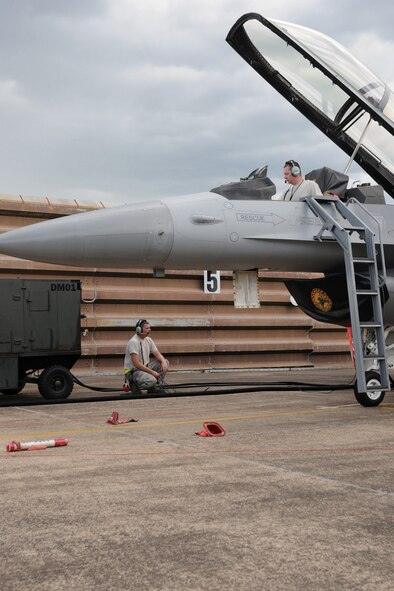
[369,265]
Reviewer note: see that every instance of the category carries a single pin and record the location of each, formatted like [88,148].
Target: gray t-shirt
[142,347]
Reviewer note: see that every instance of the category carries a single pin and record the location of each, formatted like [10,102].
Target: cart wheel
[373,397]
[21,385]
[55,382]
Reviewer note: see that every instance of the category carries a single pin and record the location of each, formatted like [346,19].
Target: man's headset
[139,327]
[295,168]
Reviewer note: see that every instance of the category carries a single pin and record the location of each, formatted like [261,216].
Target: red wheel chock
[114,419]
[211,429]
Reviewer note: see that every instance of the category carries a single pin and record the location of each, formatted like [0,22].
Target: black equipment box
[39,327]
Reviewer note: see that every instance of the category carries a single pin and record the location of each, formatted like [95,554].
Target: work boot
[135,389]
[160,386]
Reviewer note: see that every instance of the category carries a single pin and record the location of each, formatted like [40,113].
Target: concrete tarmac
[298,493]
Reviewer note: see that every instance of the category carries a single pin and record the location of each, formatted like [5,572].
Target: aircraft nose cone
[115,237]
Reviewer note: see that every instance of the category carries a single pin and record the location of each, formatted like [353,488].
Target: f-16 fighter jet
[348,234]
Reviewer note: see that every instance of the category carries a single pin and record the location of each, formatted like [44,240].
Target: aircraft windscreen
[321,92]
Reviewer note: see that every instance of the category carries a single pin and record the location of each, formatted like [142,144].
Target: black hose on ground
[232,384]
[173,392]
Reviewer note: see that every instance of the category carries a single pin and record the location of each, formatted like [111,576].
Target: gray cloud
[118,101]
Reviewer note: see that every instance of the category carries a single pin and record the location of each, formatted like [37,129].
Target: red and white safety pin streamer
[31,445]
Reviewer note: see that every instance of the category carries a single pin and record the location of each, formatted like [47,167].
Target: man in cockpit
[299,187]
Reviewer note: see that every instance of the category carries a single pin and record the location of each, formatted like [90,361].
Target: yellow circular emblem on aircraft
[321,300]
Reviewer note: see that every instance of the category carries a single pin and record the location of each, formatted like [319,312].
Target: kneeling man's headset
[139,327]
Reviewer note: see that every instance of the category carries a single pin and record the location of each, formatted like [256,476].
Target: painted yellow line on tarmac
[173,423]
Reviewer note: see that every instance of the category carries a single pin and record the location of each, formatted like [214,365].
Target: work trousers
[145,381]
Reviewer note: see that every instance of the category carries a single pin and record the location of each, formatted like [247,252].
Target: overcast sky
[126,100]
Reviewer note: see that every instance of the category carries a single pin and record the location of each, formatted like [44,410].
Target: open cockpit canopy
[335,91]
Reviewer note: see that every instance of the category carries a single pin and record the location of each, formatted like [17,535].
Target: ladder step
[363,260]
[375,357]
[324,238]
[379,388]
[370,325]
[354,228]
[366,292]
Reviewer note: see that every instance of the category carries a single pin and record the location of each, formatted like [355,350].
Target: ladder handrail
[329,222]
